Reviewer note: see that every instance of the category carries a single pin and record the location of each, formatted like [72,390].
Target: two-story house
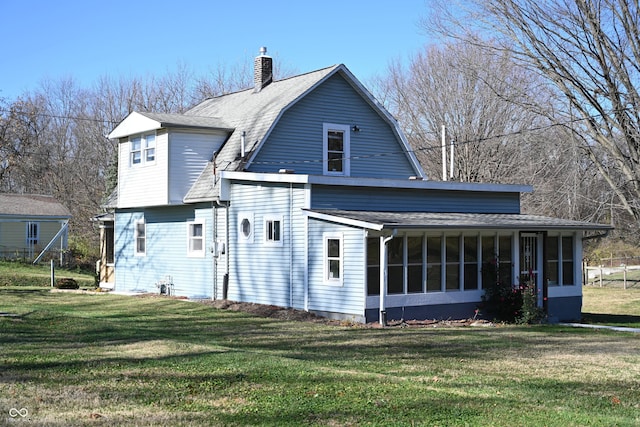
[304,193]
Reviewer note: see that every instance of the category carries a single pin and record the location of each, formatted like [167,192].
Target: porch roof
[377,220]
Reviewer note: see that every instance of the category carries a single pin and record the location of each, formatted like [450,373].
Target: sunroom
[432,265]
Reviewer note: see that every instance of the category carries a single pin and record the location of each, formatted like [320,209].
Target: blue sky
[45,39]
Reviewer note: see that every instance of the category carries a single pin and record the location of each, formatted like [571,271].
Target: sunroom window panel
[414,279]
[452,273]
[505,265]
[434,278]
[414,264]
[567,261]
[434,264]
[551,249]
[396,266]
[489,258]
[395,279]
[373,266]
[470,263]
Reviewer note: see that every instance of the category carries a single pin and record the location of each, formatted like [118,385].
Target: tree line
[536,92]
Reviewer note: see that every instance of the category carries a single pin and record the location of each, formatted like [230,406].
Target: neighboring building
[304,193]
[31,223]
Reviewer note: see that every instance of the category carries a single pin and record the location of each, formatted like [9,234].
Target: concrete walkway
[612,328]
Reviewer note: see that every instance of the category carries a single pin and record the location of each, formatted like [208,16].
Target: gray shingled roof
[190,121]
[254,113]
[426,220]
[32,205]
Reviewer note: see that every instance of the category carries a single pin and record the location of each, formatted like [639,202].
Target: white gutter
[384,277]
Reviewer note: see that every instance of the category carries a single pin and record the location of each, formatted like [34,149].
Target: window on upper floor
[142,149]
[336,143]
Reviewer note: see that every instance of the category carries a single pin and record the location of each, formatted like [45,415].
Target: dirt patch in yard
[275,312]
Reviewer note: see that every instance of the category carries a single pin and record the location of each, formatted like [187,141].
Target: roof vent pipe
[242,144]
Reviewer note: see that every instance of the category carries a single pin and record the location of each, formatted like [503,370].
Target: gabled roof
[377,220]
[29,205]
[256,113]
[138,122]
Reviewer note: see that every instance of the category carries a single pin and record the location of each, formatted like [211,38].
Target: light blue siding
[261,272]
[189,153]
[350,297]
[412,200]
[166,251]
[296,141]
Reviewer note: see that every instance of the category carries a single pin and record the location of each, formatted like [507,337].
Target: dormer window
[336,149]
[143,149]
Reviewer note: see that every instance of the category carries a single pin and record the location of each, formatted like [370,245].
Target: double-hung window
[333,258]
[195,239]
[143,149]
[140,237]
[560,263]
[336,149]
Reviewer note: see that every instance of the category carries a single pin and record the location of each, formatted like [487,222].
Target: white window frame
[136,252]
[333,281]
[346,148]
[242,237]
[147,146]
[269,239]
[191,238]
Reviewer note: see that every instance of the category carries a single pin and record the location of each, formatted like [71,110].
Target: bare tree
[479,99]
[588,51]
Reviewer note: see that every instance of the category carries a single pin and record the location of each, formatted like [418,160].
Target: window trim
[346,148]
[136,237]
[273,219]
[143,150]
[326,259]
[190,237]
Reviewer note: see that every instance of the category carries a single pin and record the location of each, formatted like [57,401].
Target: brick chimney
[262,70]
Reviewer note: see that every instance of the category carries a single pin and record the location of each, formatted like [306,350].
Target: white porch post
[384,275]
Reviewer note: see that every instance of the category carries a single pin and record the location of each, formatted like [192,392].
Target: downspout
[384,275]
[225,286]
[290,244]
[214,212]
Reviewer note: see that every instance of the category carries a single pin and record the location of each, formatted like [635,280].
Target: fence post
[53,275]
[625,277]
[600,275]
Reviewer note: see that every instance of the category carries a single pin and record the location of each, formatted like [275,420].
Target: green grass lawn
[13,273]
[103,360]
